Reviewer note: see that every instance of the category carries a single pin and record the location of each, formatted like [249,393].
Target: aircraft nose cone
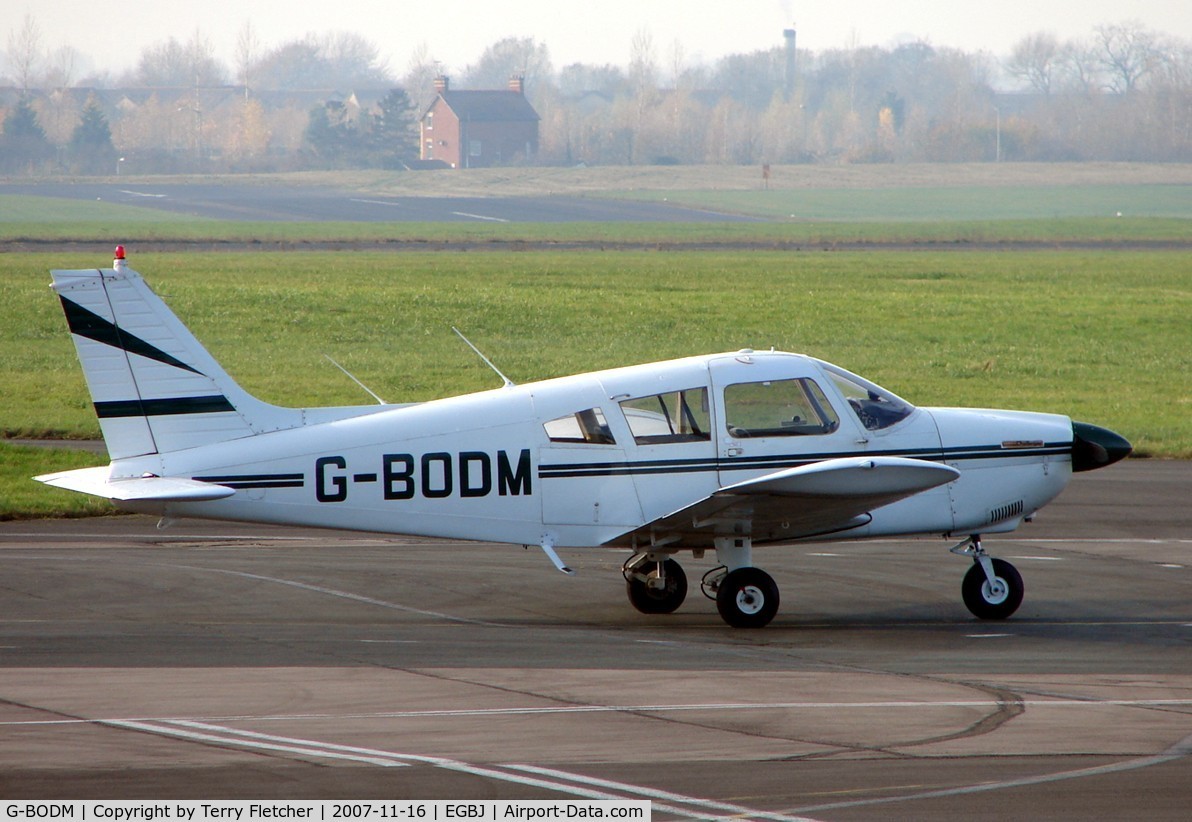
[1096,447]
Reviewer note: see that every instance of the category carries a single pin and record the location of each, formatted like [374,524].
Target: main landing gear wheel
[747,598]
[992,601]
[656,590]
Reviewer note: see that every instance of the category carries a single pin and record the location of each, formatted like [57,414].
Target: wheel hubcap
[997,593]
[750,600]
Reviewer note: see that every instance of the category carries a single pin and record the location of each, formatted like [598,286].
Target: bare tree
[643,65]
[339,60]
[63,65]
[523,56]
[1078,68]
[1127,54]
[247,46]
[1034,60]
[419,80]
[354,61]
[25,51]
[174,64]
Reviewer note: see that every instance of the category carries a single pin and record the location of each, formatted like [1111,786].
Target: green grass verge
[21,498]
[953,203]
[36,220]
[1100,335]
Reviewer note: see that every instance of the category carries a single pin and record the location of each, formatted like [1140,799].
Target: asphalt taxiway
[226,661]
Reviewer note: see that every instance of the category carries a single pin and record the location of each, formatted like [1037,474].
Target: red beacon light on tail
[119,262]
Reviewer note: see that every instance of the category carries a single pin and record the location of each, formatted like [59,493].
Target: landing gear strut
[656,585]
[746,597]
[992,588]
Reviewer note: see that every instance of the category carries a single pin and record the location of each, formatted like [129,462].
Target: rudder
[154,386]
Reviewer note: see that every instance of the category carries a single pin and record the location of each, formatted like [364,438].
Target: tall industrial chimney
[788,80]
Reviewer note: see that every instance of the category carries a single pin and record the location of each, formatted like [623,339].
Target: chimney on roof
[517,83]
[441,84]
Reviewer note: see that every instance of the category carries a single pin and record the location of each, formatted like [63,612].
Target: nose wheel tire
[747,598]
[658,599]
[996,601]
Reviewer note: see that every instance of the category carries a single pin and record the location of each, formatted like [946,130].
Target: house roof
[476,106]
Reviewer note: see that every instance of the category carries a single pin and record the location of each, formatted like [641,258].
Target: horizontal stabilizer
[98,481]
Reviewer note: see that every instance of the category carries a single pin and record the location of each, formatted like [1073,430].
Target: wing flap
[98,482]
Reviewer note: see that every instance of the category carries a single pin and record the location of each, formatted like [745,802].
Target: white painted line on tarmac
[572,784]
[449,713]
[299,747]
[987,636]
[1178,751]
[377,202]
[655,794]
[479,217]
[319,589]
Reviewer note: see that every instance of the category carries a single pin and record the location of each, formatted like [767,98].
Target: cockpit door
[775,412]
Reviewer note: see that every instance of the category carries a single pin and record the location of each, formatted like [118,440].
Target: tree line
[326,101]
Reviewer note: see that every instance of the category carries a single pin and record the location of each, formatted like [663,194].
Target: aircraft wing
[98,482]
[806,501]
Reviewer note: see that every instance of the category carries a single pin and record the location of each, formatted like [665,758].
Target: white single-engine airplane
[722,451]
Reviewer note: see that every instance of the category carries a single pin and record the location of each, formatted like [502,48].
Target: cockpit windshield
[874,406]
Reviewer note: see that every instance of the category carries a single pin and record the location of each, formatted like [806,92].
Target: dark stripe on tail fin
[88,324]
[162,407]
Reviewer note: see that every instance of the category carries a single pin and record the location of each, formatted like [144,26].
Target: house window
[473,148]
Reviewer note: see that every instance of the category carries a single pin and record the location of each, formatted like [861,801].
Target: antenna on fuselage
[352,377]
[508,382]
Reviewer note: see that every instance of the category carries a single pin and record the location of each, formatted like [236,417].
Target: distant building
[475,129]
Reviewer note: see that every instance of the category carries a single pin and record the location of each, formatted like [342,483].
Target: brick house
[474,129]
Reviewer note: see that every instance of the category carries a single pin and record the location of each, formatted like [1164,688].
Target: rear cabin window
[676,416]
[778,408]
[588,426]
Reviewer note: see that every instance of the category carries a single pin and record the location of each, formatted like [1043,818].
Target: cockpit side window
[874,406]
[588,426]
[676,416]
[778,408]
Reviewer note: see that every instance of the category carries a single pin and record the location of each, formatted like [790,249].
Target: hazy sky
[114,32]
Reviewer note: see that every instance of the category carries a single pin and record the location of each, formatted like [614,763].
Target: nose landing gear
[992,588]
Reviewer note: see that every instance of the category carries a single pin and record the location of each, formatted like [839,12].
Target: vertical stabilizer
[155,388]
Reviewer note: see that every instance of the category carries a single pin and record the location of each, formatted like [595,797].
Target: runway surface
[224,661]
[317,203]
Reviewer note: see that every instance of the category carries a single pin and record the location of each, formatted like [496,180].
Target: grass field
[1035,203]
[956,216]
[1101,334]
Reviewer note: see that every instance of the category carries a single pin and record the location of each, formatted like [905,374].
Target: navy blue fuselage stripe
[775,462]
[162,407]
[87,323]
[223,478]
[245,481]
